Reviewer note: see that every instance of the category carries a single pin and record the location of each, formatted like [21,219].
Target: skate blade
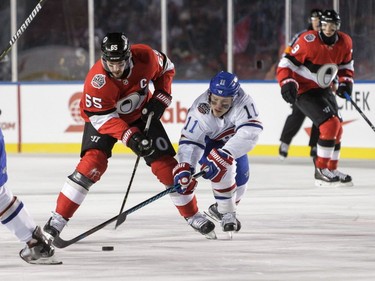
[346,184]
[282,158]
[211,235]
[230,234]
[46,261]
[321,183]
[215,218]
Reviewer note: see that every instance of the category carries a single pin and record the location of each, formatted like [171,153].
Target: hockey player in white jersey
[15,217]
[222,126]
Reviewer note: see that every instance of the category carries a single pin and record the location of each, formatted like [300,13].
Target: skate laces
[327,173]
[229,218]
[342,176]
[197,221]
[57,222]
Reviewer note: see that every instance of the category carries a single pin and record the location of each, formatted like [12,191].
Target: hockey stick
[348,98]
[22,28]
[145,131]
[61,243]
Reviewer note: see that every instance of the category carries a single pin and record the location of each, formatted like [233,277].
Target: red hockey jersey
[112,104]
[314,64]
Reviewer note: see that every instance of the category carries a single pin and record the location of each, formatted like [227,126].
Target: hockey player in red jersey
[305,76]
[115,104]
[294,121]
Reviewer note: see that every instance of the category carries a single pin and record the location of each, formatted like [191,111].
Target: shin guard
[162,169]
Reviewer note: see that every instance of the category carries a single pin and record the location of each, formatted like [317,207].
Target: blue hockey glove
[218,162]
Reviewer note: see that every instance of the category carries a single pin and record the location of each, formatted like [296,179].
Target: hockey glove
[158,103]
[183,178]
[289,90]
[219,161]
[344,87]
[138,142]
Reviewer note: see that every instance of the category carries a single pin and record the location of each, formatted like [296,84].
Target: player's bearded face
[329,28]
[116,68]
[220,105]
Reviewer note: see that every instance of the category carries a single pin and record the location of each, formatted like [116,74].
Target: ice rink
[291,230]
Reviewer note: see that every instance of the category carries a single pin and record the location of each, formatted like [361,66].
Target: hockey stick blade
[348,98]
[58,242]
[22,28]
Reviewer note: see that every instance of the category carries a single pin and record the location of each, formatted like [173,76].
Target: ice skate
[229,223]
[283,150]
[39,250]
[216,215]
[345,180]
[203,225]
[54,225]
[326,178]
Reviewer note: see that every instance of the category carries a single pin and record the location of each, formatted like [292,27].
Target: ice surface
[291,230]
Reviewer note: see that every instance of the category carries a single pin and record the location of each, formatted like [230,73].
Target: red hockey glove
[138,142]
[289,90]
[344,87]
[218,163]
[182,176]
[157,104]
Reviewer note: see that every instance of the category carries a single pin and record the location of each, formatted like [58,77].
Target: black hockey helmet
[315,13]
[115,47]
[331,16]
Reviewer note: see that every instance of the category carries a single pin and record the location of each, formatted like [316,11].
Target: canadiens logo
[309,37]
[98,81]
[204,108]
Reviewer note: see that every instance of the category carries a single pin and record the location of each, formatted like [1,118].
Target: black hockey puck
[107,248]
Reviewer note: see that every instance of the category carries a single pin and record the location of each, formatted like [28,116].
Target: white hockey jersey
[238,129]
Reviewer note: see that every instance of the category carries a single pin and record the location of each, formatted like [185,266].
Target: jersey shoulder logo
[309,37]
[98,81]
[204,108]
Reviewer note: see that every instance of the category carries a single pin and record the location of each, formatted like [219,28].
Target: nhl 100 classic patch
[98,81]
[309,37]
[204,108]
